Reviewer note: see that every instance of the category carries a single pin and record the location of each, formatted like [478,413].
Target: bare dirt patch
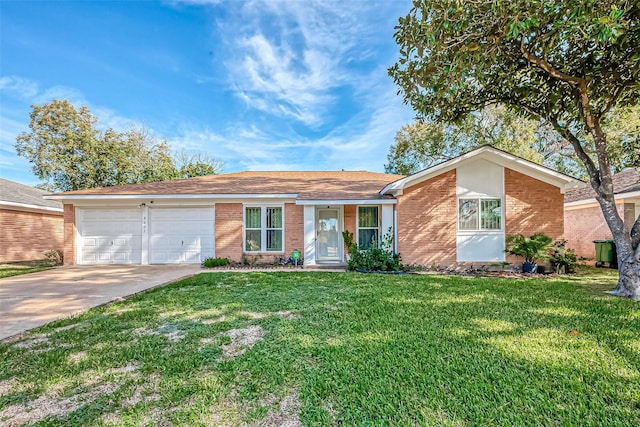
[241,341]
[287,414]
[78,357]
[287,315]
[216,320]
[50,404]
[170,331]
[252,315]
[72,326]
[37,341]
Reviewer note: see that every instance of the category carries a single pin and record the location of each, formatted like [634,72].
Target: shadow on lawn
[359,349]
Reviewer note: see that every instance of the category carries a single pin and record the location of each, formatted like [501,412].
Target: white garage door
[180,235]
[110,236]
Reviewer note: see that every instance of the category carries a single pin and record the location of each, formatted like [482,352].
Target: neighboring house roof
[16,195]
[487,152]
[627,181]
[305,185]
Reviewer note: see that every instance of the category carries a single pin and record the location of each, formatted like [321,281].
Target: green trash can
[606,253]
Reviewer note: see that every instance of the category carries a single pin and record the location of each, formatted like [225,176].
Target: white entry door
[110,236]
[181,235]
[328,239]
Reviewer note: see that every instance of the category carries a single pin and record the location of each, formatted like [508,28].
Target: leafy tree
[69,152]
[426,142]
[196,164]
[564,62]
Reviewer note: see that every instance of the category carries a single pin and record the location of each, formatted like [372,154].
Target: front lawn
[23,267]
[330,349]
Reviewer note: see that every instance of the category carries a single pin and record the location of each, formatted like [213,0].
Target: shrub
[55,256]
[563,259]
[215,262]
[373,259]
[532,249]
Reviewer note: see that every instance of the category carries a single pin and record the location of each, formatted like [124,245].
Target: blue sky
[259,84]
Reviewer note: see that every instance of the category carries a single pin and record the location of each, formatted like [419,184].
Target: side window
[263,229]
[479,214]
[368,227]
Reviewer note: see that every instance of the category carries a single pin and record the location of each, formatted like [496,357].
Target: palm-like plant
[533,248]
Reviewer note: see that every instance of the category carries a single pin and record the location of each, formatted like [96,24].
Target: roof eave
[564,182]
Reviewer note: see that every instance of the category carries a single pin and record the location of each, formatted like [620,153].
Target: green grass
[335,349]
[23,267]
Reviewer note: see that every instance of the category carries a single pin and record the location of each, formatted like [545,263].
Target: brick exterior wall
[26,236]
[69,235]
[293,228]
[427,215]
[229,229]
[583,225]
[532,206]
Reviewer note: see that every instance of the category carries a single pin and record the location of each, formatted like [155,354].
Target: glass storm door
[328,242]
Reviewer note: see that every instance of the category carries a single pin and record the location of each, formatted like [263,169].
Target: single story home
[458,211]
[583,219]
[30,224]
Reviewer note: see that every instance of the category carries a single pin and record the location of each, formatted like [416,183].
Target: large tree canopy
[68,152]
[425,143]
[565,62]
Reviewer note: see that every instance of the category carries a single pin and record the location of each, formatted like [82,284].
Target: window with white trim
[368,227]
[479,214]
[263,229]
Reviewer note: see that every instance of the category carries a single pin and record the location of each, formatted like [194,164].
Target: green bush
[563,260]
[374,259]
[215,262]
[532,249]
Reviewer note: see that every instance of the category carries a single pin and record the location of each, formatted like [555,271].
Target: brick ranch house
[583,219]
[30,224]
[457,211]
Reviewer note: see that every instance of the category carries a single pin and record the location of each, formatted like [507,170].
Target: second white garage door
[181,235]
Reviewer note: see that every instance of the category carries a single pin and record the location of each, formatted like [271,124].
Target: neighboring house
[583,219]
[458,211]
[30,224]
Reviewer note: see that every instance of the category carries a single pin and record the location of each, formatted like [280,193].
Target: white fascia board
[346,202]
[167,196]
[564,182]
[623,196]
[32,207]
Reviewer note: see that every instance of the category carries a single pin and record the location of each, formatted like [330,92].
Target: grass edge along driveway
[330,349]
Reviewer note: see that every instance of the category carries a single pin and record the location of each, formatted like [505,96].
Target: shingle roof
[623,182]
[14,192]
[308,185]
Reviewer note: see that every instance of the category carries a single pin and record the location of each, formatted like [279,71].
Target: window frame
[479,201]
[263,228]
[377,227]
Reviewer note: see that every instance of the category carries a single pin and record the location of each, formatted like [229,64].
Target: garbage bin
[606,252]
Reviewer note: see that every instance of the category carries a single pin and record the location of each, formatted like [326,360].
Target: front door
[328,241]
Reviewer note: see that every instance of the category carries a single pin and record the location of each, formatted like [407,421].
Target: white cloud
[19,87]
[287,57]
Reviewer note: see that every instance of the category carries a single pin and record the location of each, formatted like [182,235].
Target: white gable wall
[480,179]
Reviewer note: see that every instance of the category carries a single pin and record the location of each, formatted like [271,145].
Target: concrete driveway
[35,299]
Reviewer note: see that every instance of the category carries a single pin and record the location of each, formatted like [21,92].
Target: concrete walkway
[35,299]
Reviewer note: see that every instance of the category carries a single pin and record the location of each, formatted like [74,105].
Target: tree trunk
[628,255]
[628,279]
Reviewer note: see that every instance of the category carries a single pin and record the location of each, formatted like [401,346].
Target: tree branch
[594,176]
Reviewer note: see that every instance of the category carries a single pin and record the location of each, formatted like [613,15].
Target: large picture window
[480,214]
[368,227]
[263,229]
